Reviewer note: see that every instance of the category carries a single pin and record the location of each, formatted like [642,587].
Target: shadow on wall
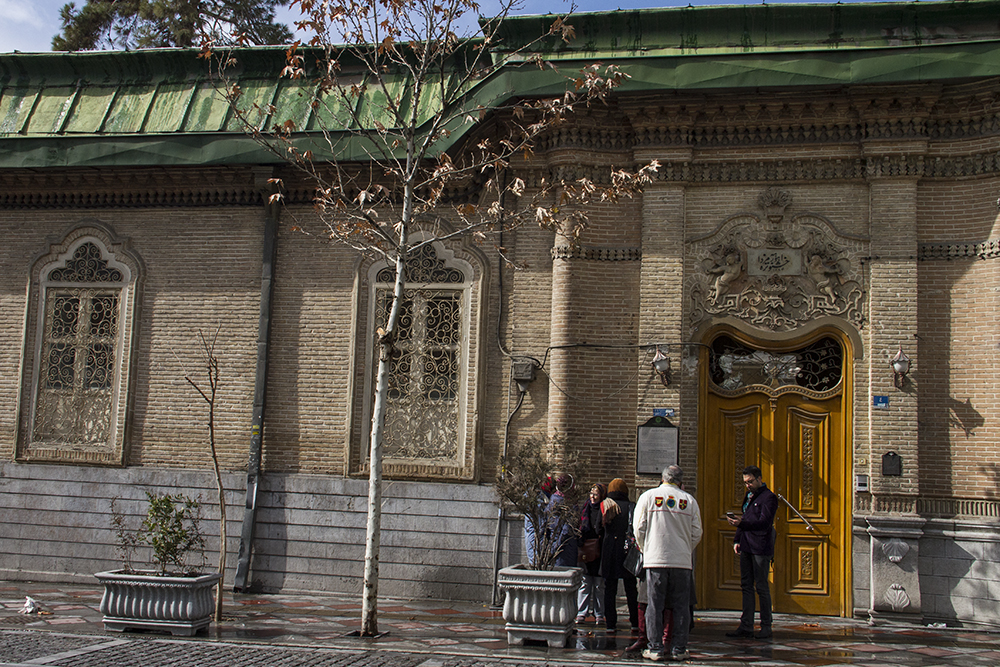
[992,472]
[964,416]
[269,564]
[948,593]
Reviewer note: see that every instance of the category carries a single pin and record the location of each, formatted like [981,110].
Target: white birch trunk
[369,601]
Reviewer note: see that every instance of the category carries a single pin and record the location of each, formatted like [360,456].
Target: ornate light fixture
[661,366]
[900,367]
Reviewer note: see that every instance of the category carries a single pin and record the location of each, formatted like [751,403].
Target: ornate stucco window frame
[462,466]
[110,449]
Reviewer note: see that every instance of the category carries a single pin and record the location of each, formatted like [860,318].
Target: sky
[29,25]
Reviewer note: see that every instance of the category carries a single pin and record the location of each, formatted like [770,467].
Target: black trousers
[631,598]
[753,578]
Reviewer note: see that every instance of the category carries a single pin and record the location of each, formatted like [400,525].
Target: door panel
[738,428]
[799,445]
[811,477]
[807,571]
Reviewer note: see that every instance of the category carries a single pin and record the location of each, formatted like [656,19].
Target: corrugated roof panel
[704,30]
[51,109]
[331,112]
[169,107]
[15,105]
[209,110]
[374,109]
[129,109]
[257,95]
[90,110]
[430,101]
[294,102]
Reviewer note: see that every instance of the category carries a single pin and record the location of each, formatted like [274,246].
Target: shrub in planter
[540,599]
[174,596]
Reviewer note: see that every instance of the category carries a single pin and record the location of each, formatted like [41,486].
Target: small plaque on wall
[892,465]
[656,446]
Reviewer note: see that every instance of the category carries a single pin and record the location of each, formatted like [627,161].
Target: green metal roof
[161,107]
[763,28]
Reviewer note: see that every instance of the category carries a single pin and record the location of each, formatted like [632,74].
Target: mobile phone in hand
[731,515]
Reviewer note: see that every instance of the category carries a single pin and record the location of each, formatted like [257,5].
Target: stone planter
[178,605]
[541,604]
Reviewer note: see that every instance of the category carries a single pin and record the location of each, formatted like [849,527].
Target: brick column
[661,309]
[560,333]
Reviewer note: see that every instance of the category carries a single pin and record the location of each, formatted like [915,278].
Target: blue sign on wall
[880,402]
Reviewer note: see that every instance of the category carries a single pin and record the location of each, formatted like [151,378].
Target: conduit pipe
[272,212]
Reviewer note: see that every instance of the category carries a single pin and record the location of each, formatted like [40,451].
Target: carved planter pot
[540,604]
[178,605]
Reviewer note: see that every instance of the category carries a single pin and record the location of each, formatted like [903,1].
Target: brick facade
[901,178]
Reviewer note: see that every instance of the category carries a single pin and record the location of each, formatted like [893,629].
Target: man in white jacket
[667,528]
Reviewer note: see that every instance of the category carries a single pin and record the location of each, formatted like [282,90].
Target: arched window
[816,367]
[83,323]
[427,417]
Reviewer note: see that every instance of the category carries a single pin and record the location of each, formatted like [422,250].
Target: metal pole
[500,511]
[792,507]
[272,211]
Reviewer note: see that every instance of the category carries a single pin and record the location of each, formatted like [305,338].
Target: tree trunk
[222,536]
[369,602]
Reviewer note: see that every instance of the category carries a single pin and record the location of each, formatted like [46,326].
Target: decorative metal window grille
[77,379]
[423,408]
[816,367]
[423,266]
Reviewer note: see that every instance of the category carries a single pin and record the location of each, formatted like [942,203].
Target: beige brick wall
[308,393]
[186,288]
[959,342]
[203,268]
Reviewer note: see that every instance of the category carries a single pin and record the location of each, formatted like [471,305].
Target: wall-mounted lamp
[661,366]
[900,367]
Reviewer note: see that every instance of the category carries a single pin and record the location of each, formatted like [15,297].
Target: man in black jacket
[754,542]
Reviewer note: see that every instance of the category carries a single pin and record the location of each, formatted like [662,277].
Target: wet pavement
[310,630]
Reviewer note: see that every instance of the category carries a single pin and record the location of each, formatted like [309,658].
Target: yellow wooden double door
[800,446]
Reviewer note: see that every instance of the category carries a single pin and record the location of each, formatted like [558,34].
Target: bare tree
[417,103]
[208,392]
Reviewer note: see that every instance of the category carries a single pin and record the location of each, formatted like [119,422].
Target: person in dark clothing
[618,511]
[754,542]
[591,594]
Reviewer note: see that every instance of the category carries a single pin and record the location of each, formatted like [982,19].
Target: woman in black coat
[618,511]
[591,593]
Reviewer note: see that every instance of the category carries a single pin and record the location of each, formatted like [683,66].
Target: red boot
[640,641]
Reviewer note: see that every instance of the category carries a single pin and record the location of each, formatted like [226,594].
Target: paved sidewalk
[312,630]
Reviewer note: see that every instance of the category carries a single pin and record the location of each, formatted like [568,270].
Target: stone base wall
[927,570]
[960,571]
[437,539]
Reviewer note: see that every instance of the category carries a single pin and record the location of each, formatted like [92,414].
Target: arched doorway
[783,406]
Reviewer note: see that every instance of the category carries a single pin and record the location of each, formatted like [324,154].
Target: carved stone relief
[897,598]
[776,272]
[895,549]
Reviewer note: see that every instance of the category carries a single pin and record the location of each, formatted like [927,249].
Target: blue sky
[29,25]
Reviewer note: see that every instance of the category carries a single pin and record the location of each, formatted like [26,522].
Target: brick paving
[315,631]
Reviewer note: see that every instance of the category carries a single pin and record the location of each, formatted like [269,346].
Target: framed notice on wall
[656,446]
